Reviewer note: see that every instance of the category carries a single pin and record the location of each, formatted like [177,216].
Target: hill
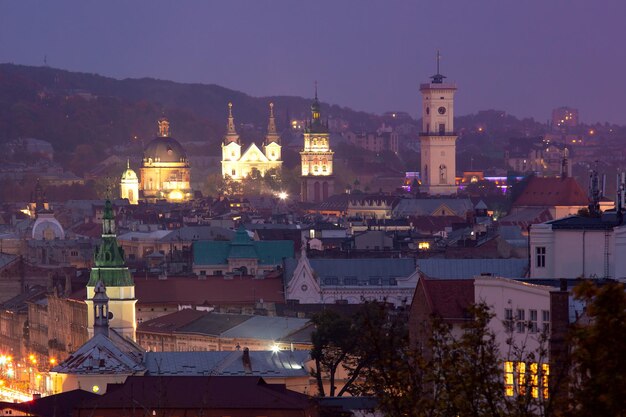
[70,109]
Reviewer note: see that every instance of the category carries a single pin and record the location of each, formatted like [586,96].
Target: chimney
[247,364]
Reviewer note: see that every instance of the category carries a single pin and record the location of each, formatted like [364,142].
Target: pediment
[253,154]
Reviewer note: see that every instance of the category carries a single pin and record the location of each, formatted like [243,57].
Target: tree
[598,345]
[333,342]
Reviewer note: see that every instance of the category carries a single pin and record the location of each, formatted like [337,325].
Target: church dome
[165,149]
[47,227]
[129,175]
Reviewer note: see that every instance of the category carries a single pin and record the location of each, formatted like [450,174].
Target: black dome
[165,149]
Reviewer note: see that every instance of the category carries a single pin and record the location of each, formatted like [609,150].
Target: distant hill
[70,108]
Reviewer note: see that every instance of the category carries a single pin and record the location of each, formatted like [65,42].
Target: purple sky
[525,57]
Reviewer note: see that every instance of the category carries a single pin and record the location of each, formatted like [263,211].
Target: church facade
[165,173]
[253,162]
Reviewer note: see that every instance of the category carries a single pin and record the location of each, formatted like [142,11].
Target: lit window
[509,378]
[423,245]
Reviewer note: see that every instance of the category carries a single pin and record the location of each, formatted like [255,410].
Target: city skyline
[525,58]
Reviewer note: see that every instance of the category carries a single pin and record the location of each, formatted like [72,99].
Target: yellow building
[165,168]
[318,182]
[254,162]
[129,185]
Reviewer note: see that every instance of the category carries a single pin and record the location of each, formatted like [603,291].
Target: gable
[443,210]
[253,154]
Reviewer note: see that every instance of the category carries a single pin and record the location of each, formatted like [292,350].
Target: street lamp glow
[275,348]
[283,195]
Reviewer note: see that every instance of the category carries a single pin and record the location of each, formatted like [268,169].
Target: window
[374,281]
[203,273]
[217,272]
[532,325]
[233,172]
[331,281]
[74,253]
[519,377]
[508,319]
[520,318]
[540,252]
[350,281]
[545,318]
[442,128]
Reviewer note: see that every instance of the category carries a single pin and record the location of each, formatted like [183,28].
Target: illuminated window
[509,378]
[423,245]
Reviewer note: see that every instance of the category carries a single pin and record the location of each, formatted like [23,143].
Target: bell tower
[438,138]
[318,181]
[231,149]
[110,271]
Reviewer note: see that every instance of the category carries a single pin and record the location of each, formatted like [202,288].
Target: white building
[577,246]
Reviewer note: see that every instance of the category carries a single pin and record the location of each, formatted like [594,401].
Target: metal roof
[469,268]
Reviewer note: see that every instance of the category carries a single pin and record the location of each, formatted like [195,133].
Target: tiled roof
[449,298]
[361,269]
[267,328]
[218,252]
[200,392]
[104,355]
[550,192]
[262,363]
[587,223]
[209,291]
[427,206]
[59,405]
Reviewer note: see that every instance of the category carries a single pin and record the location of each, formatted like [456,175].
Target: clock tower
[438,138]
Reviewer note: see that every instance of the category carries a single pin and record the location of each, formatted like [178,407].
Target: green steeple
[109,266]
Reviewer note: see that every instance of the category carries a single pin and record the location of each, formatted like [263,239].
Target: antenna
[438,60]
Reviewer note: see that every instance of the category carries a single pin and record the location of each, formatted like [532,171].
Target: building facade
[438,138]
[254,162]
[317,178]
[165,172]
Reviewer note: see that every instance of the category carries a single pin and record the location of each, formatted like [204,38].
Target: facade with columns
[317,180]
[253,162]
[438,138]
[111,270]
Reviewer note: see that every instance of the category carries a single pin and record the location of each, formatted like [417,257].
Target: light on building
[283,195]
[423,245]
[95,388]
[53,361]
[176,195]
[275,348]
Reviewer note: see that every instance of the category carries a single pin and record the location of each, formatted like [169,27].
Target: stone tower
[438,138]
[110,269]
[317,180]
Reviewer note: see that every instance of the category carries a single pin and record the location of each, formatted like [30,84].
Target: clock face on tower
[441,110]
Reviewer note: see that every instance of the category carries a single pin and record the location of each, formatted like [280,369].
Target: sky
[525,57]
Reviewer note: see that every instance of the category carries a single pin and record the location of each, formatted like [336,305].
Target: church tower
[272,147]
[438,138]
[231,148]
[110,269]
[317,180]
[129,185]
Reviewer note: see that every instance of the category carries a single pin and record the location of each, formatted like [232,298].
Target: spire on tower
[231,132]
[272,133]
[438,78]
